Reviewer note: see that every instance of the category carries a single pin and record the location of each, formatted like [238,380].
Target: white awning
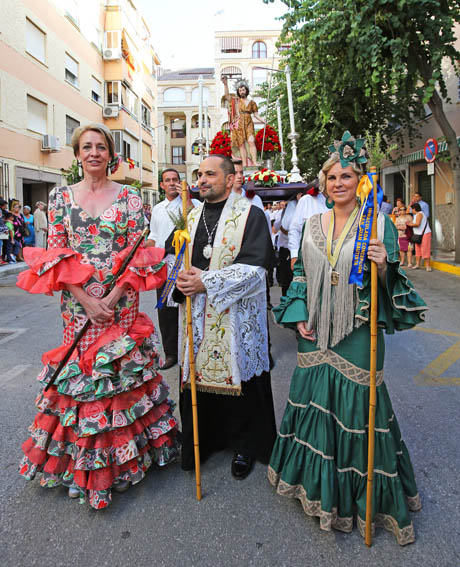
[231,43]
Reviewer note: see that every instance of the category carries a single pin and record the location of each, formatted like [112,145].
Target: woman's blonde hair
[332,160]
[93,127]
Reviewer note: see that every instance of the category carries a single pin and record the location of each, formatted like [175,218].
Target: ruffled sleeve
[293,305]
[146,271]
[399,305]
[51,270]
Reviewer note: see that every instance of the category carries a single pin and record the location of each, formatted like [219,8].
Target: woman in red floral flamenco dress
[107,417]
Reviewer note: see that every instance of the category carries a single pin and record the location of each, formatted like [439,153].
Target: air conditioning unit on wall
[111,112]
[50,143]
[111,54]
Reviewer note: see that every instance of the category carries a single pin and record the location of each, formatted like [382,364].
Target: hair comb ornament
[349,149]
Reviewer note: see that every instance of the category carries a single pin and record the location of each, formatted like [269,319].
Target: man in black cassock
[243,421]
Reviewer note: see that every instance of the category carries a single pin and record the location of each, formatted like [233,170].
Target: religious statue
[240,120]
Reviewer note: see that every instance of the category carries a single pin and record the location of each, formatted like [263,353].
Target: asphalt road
[159,522]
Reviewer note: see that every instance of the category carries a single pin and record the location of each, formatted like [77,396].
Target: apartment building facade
[249,55]
[178,110]
[237,54]
[67,63]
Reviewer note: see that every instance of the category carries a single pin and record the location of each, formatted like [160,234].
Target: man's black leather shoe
[241,466]
[169,362]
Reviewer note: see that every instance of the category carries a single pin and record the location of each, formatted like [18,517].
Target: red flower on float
[130,163]
[221,144]
[271,142]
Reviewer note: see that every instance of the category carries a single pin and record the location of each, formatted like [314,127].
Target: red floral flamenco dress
[108,416]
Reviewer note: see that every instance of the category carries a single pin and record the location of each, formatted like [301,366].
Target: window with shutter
[71,70]
[70,125]
[35,41]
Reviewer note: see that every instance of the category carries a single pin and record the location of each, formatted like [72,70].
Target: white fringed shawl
[331,308]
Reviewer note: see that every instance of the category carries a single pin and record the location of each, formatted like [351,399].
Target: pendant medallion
[207,251]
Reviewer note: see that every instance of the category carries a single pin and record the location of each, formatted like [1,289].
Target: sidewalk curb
[444,267]
[12,269]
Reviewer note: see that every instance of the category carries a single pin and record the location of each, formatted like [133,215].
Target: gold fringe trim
[414,503]
[330,520]
[221,390]
[349,370]
[403,536]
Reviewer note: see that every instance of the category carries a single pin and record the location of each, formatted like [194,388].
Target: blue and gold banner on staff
[172,277]
[366,193]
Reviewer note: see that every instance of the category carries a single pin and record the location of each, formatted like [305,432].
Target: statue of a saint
[240,120]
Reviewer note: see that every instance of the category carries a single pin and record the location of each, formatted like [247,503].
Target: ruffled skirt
[320,456]
[102,426]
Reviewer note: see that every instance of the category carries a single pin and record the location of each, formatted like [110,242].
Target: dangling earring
[330,204]
[109,171]
[80,170]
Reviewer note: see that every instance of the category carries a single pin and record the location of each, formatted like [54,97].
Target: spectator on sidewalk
[4,235]
[29,240]
[404,235]
[3,207]
[421,226]
[399,204]
[40,224]
[425,207]
[9,243]
[386,207]
[19,225]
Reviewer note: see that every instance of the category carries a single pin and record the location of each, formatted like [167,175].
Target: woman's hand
[377,253]
[304,332]
[114,297]
[97,310]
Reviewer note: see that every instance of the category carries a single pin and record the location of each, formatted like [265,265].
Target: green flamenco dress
[320,455]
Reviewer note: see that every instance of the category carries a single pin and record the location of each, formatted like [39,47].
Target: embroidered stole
[213,361]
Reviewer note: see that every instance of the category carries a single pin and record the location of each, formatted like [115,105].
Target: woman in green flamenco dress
[320,455]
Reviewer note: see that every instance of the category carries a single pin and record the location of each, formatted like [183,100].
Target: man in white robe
[232,358]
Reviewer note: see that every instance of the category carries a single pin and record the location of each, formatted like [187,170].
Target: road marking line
[13,373]
[431,374]
[437,332]
[14,333]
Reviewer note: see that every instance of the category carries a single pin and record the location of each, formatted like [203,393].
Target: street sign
[430,150]
[430,168]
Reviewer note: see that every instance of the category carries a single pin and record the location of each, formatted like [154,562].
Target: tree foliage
[364,65]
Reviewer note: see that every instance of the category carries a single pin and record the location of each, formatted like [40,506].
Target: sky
[183,30]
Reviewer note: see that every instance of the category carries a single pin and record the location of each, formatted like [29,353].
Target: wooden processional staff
[191,353]
[372,373]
